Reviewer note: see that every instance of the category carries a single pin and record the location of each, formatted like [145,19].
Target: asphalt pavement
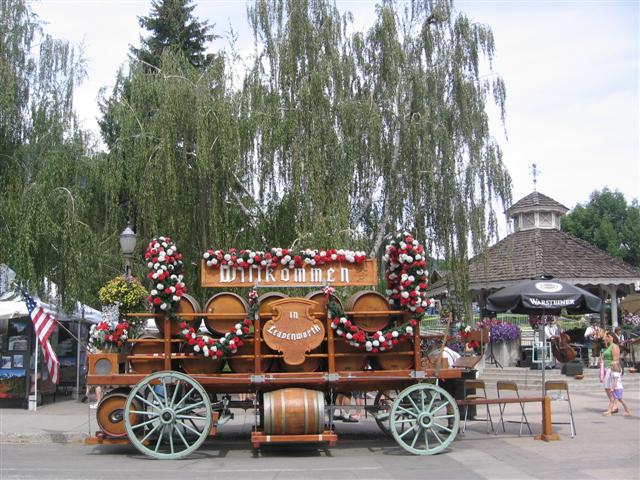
[49,444]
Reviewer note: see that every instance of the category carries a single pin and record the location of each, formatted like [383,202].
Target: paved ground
[47,444]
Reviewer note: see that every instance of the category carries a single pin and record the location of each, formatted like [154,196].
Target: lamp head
[127,241]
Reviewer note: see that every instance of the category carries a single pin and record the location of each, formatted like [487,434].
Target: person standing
[551,331]
[618,391]
[610,360]
[590,335]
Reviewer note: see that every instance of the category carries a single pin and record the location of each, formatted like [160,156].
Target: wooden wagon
[167,398]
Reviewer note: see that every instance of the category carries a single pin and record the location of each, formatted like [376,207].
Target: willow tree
[359,134]
[44,202]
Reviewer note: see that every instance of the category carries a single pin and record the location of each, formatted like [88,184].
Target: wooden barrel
[369,301]
[151,364]
[265,300]
[320,298]
[293,411]
[227,303]
[391,360]
[198,363]
[246,365]
[110,413]
[310,364]
[187,304]
[351,363]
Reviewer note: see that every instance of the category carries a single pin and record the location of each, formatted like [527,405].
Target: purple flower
[503,331]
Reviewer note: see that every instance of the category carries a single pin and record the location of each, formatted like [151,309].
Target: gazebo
[538,247]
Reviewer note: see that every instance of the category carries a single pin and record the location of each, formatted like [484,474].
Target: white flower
[339,332]
[227,257]
[404,294]
[394,334]
[206,255]
[239,332]
[164,306]
[349,336]
[154,292]
[160,286]
[196,348]
[376,343]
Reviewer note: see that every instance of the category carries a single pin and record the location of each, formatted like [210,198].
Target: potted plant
[125,296]
[505,338]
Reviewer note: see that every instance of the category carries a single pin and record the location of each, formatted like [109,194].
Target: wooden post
[167,342]
[547,427]
[330,347]
[257,351]
[417,362]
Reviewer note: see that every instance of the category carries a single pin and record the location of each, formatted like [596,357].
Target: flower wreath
[106,334]
[165,270]
[406,284]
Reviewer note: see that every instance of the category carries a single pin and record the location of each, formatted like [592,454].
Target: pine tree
[172,26]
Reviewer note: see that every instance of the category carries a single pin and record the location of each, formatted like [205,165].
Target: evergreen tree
[171,25]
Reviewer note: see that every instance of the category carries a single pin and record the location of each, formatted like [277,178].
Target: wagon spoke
[175,392]
[188,427]
[437,436]
[184,397]
[144,400]
[186,444]
[155,395]
[144,412]
[149,433]
[190,417]
[413,414]
[415,438]
[407,431]
[413,403]
[171,441]
[159,439]
[138,425]
[192,406]
[444,416]
[426,439]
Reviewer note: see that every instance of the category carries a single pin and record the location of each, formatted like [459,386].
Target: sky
[571,70]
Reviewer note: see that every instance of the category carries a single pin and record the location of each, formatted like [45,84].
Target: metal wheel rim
[419,420]
[174,422]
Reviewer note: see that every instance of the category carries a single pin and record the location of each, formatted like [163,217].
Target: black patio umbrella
[543,296]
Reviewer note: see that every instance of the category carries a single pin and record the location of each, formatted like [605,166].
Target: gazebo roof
[531,253]
[537,201]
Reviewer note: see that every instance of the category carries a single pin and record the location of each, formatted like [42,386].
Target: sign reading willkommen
[336,274]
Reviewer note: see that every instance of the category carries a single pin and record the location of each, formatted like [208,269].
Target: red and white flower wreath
[406,283]
[280,256]
[165,264]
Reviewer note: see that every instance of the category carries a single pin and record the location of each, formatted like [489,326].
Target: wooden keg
[310,364]
[369,301]
[226,303]
[110,413]
[155,361]
[321,299]
[187,304]
[266,299]
[247,365]
[293,411]
[355,363]
[392,360]
[197,363]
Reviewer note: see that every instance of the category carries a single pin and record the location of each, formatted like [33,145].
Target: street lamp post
[127,246]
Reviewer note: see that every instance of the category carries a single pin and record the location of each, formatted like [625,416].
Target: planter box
[506,353]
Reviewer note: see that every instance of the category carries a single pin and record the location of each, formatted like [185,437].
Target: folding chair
[560,386]
[476,385]
[509,386]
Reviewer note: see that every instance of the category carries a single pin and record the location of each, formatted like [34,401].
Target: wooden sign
[293,330]
[336,274]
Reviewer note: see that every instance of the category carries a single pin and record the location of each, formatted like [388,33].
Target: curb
[43,437]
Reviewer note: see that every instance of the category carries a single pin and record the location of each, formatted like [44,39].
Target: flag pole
[35,404]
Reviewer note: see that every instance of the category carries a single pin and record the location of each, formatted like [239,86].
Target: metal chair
[511,387]
[560,386]
[476,385]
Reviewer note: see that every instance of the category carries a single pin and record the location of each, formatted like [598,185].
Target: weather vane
[535,172]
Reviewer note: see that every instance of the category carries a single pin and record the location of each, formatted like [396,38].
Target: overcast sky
[571,70]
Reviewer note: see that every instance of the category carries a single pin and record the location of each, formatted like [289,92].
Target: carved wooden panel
[294,330]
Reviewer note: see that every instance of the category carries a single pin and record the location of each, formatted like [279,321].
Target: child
[618,389]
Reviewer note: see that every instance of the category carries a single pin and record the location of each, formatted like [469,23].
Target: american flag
[44,324]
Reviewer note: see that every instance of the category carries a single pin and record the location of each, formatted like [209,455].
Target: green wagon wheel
[424,419]
[173,415]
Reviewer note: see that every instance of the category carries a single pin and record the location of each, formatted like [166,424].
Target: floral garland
[230,342]
[406,284]
[280,256]
[165,265]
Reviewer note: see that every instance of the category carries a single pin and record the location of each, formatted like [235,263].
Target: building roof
[536,200]
[530,253]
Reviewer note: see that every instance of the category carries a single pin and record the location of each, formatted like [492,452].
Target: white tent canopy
[12,305]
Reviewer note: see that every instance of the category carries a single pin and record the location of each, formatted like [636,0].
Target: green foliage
[44,207]
[609,223]
[172,26]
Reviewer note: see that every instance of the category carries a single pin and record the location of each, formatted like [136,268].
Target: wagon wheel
[175,417]
[382,407]
[424,419]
